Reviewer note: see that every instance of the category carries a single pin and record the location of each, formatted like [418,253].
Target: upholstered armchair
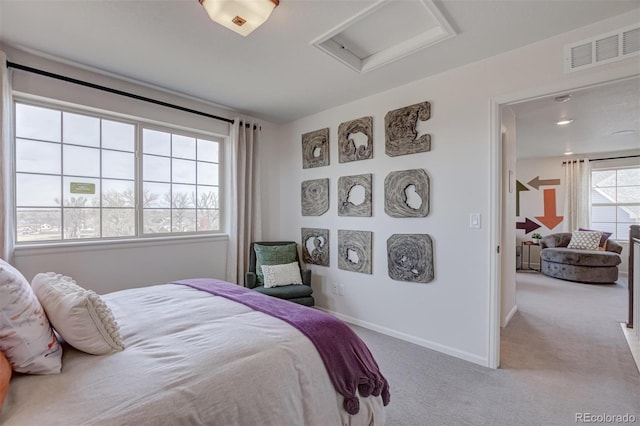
[275,253]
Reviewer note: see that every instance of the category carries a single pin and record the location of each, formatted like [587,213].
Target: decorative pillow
[80,316]
[603,239]
[585,240]
[27,339]
[279,275]
[273,255]
[5,377]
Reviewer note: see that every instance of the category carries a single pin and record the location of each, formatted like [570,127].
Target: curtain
[245,221]
[577,195]
[7,230]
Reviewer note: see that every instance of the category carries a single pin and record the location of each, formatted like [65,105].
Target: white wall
[531,202]
[104,268]
[450,314]
[508,306]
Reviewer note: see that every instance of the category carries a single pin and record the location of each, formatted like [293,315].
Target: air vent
[603,49]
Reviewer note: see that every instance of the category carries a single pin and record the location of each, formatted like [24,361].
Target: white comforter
[191,358]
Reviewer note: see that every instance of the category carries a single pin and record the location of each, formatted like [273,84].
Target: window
[615,200]
[76,178]
[180,179]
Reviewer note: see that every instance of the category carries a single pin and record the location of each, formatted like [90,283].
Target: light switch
[474,220]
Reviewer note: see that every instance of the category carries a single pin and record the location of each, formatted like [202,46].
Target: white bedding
[191,358]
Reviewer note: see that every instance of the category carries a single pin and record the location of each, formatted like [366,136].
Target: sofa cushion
[273,255]
[286,292]
[580,257]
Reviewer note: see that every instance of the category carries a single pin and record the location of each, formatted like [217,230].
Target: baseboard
[467,356]
[510,315]
[633,342]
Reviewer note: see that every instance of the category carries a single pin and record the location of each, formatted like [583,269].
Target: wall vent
[603,49]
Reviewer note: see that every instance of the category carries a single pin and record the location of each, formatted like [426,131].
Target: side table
[528,244]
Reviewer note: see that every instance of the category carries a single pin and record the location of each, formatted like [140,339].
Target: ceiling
[606,118]
[275,73]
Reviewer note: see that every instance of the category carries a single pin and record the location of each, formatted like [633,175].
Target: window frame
[139,124]
[140,177]
[616,204]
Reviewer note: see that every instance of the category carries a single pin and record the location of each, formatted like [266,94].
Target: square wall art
[315,149]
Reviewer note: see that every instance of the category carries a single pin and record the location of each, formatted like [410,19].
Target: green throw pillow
[273,255]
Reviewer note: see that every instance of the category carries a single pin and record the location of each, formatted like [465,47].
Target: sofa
[585,266]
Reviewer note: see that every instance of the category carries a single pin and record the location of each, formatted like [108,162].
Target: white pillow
[80,316]
[27,338]
[585,240]
[279,275]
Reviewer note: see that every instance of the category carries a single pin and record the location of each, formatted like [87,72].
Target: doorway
[508,190]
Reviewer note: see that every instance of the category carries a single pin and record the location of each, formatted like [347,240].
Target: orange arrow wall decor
[550,219]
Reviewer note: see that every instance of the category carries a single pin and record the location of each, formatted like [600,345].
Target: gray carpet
[563,353]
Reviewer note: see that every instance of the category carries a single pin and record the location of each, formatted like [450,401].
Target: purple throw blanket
[347,359]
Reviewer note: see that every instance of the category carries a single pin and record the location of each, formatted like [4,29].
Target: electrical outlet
[334,288]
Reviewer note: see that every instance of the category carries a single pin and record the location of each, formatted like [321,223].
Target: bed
[191,358]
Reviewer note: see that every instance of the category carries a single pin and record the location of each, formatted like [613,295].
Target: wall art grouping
[354,251]
[315,246]
[315,149]
[315,197]
[351,149]
[401,137]
[406,193]
[347,206]
[410,258]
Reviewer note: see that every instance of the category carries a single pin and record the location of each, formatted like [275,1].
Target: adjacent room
[403,212]
[577,168]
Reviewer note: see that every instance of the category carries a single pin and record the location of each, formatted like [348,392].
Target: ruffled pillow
[80,316]
[27,339]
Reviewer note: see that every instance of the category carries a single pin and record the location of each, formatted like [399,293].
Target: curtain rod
[114,91]
[602,159]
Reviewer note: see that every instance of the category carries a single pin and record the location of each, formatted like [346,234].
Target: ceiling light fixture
[568,153]
[240,16]
[564,122]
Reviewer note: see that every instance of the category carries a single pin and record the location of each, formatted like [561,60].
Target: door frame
[495,191]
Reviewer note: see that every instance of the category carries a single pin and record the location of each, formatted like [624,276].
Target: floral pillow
[27,340]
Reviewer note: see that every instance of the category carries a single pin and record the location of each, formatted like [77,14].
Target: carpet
[563,353]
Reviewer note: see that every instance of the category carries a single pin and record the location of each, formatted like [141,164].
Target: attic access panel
[385,32]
